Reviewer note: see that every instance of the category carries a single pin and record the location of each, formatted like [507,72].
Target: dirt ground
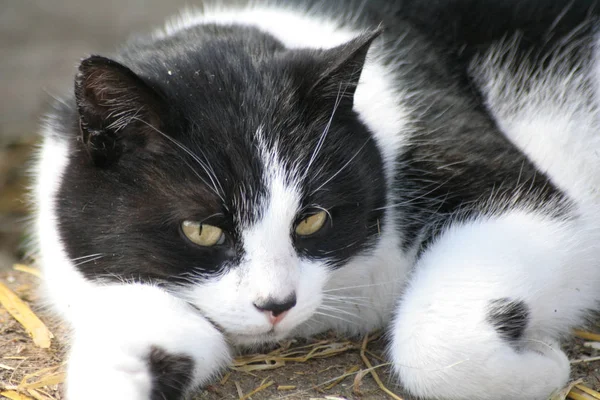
[313,379]
[296,380]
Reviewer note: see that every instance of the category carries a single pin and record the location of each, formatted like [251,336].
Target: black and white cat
[250,173]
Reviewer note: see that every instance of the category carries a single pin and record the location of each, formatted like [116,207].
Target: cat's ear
[117,110]
[342,67]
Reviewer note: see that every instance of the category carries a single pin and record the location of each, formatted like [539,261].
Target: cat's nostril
[277,307]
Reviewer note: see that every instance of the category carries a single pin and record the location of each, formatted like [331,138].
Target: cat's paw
[118,375]
[96,375]
[485,371]
[152,346]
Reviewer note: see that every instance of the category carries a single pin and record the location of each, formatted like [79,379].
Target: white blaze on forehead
[271,260]
[279,208]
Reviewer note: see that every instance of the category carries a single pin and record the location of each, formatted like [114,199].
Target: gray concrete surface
[41,42]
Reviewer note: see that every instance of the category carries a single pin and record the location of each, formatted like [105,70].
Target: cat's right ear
[118,111]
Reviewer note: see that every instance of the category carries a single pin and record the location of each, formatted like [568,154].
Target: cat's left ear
[342,67]
[118,111]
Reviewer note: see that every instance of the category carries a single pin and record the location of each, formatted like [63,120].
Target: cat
[252,172]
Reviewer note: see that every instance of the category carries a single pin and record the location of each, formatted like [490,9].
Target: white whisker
[365,304]
[209,171]
[359,286]
[88,260]
[342,168]
[337,310]
[324,134]
[336,317]
[88,256]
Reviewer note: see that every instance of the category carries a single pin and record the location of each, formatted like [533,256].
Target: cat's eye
[203,234]
[311,224]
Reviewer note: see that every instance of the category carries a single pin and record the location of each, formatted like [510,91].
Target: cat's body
[455,171]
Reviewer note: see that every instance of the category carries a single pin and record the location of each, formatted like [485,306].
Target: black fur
[210,89]
[277,307]
[171,374]
[509,317]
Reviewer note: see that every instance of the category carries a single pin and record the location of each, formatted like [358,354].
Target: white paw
[554,365]
[138,343]
[491,373]
[110,375]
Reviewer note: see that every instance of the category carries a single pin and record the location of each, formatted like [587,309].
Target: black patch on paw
[171,374]
[509,317]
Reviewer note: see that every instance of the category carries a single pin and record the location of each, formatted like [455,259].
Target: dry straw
[41,384]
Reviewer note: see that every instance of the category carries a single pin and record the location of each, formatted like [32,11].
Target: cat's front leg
[137,342]
[487,304]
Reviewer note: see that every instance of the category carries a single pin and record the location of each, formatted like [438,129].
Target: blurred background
[41,43]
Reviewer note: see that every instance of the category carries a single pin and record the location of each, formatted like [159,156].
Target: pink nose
[275,310]
[275,319]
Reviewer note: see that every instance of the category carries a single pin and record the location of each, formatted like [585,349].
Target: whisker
[87,261]
[342,168]
[309,323]
[325,132]
[355,304]
[347,246]
[366,306]
[333,296]
[206,169]
[336,309]
[336,317]
[202,179]
[413,199]
[351,300]
[88,256]
[212,171]
[359,303]
[359,286]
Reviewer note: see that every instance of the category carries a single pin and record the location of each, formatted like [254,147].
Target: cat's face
[238,182]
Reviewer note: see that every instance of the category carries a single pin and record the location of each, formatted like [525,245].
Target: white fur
[63,284]
[554,121]
[295,29]
[115,328]
[442,344]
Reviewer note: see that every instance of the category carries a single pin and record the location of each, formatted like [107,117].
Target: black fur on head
[167,131]
[116,109]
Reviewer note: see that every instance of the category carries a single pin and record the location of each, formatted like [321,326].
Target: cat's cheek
[313,278]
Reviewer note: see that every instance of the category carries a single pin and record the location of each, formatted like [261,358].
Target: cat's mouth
[273,334]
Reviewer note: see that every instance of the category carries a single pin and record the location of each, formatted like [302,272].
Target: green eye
[311,224]
[203,234]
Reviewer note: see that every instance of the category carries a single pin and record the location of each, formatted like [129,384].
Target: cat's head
[226,168]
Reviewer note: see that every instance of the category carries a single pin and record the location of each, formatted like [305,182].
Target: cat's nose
[276,310]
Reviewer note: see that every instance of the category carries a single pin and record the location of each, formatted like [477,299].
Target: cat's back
[531,65]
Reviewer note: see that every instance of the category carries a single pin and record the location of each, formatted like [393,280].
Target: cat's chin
[251,340]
